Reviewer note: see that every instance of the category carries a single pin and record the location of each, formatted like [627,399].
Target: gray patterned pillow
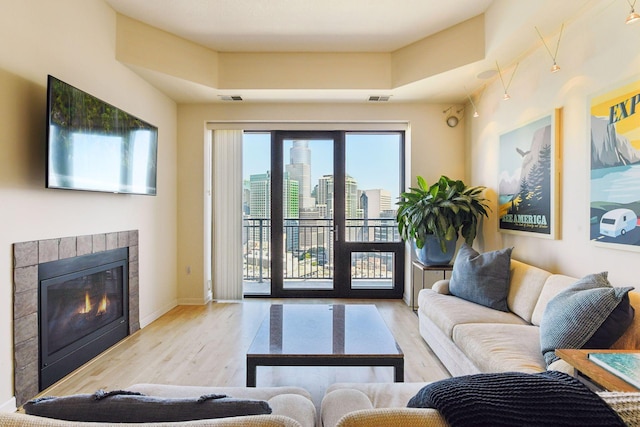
[131,407]
[482,278]
[576,314]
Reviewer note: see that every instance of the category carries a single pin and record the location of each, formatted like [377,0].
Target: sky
[373,160]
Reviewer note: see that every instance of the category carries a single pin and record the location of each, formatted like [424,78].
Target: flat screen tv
[94,146]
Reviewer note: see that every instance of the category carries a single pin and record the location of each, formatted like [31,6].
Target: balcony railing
[308,247]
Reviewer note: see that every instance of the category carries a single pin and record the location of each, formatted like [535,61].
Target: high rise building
[299,169]
[325,195]
[260,203]
[378,201]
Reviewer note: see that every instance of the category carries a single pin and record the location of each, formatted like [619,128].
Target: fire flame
[86,308]
[87,305]
[102,308]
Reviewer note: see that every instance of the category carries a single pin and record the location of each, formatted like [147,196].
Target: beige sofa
[469,338]
[376,405]
[291,407]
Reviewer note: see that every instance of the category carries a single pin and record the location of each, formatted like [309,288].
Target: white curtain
[227,214]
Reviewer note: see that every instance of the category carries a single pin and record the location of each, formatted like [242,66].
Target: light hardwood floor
[206,345]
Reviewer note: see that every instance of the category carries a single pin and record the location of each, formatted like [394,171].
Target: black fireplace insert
[83,310]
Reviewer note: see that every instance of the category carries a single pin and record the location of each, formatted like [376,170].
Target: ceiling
[346,26]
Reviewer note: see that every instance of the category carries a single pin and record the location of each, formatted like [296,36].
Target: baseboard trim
[157,314]
[9,406]
[192,301]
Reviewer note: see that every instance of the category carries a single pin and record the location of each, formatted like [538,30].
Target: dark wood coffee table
[324,335]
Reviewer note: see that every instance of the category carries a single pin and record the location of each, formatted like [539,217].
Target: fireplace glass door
[83,310]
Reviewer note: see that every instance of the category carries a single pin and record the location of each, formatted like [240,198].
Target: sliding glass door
[320,220]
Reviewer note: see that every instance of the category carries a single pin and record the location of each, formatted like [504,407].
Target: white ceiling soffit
[301,25]
[348,26]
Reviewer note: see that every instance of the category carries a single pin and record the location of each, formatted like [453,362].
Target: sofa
[291,407]
[469,338]
[384,404]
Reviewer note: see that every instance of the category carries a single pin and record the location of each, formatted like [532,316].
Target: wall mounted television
[94,146]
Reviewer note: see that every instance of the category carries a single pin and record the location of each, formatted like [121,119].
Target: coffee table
[324,335]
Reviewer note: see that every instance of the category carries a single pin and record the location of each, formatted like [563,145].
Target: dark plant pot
[431,253]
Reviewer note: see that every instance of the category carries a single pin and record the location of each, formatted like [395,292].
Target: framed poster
[615,167]
[528,178]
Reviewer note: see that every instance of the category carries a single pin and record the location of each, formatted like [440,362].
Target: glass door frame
[342,249]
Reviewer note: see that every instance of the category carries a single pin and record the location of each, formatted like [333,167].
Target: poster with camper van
[527,179]
[615,166]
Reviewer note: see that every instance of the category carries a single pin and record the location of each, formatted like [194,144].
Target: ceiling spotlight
[633,16]
[506,87]
[475,110]
[555,68]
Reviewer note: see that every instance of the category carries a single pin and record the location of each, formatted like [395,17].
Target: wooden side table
[429,274]
[592,374]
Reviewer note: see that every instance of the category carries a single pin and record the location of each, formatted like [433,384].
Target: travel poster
[615,166]
[526,185]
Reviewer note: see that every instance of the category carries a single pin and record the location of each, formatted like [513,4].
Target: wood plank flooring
[206,345]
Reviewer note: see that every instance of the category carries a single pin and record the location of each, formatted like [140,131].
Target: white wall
[74,40]
[597,51]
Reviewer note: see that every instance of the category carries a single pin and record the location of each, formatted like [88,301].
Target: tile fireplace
[74,297]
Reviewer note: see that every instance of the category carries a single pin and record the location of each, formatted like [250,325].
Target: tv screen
[94,146]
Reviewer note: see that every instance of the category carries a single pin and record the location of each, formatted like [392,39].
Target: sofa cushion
[555,284]
[447,311]
[525,285]
[501,347]
[516,399]
[482,278]
[124,406]
[289,401]
[572,318]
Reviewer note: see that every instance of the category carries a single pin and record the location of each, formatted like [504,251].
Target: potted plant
[433,217]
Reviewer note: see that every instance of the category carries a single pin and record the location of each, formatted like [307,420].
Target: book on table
[623,365]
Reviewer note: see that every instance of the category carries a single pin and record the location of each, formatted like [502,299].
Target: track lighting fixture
[633,15]
[475,110]
[555,68]
[506,87]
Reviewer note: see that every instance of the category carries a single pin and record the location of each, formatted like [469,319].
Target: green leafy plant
[446,209]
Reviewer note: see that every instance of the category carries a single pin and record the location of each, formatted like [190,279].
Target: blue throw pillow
[132,407]
[588,314]
[482,278]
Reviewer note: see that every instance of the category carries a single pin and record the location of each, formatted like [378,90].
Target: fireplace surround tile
[25,253]
[25,279]
[48,250]
[111,241]
[123,239]
[99,243]
[84,245]
[67,247]
[27,256]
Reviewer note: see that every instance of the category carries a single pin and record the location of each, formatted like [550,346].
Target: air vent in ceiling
[230,97]
[379,98]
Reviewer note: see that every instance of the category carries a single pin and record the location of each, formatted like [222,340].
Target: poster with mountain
[527,184]
[615,166]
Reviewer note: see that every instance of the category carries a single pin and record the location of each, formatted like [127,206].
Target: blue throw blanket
[516,399]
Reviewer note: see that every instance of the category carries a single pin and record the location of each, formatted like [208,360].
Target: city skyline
[373,169]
